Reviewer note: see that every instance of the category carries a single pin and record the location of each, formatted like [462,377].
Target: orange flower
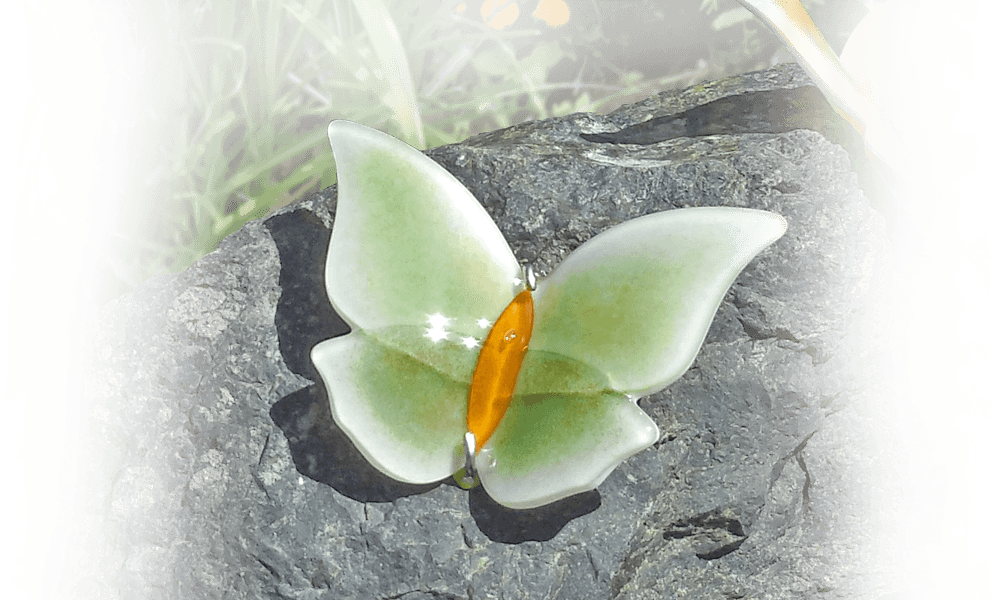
[499,15]
[553,12]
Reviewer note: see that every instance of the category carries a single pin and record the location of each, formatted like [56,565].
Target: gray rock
[222,475]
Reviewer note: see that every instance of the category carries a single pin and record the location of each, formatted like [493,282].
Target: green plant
[263,78]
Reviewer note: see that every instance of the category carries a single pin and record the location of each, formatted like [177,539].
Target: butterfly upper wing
[623,316]
[409,240]
[415,266]
[636,301]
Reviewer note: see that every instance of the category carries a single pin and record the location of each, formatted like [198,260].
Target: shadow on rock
[510,526]
[304,316]
[323,452]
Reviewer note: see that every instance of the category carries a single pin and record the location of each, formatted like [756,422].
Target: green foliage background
[244,91]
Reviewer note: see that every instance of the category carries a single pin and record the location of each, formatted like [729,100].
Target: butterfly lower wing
[409,241]
[551,445]
[405,417]
[636,301]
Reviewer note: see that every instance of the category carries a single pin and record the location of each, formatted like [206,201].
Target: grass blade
[401,97]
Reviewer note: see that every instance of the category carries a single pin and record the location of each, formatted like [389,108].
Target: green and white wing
[564,432]
[418,269]
[636,301]
[623,316]
[409,240]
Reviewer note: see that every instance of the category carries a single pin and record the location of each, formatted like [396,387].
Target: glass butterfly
[458,363]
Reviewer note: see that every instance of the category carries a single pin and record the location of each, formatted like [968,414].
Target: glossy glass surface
[421,273]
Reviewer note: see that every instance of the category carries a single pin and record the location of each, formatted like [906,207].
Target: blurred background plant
[244,90]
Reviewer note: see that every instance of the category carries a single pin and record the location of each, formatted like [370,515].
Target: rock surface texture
[222,474]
